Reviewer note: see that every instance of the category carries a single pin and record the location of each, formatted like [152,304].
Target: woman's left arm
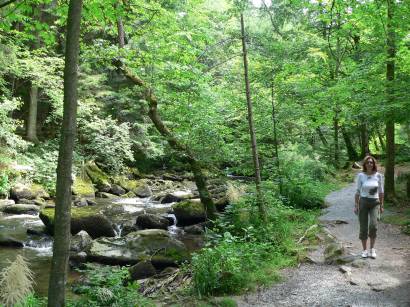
[381,192]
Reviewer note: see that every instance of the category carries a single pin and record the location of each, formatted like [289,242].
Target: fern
[16,282]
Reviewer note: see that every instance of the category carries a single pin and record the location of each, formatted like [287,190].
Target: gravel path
[383,282]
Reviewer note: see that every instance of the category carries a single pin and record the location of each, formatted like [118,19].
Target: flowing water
[37,249]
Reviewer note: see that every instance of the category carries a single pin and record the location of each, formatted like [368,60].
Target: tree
[58,275]
[390,61]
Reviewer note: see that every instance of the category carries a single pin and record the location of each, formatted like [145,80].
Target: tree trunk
[200,178]
[251,126]
[31,132]
[321,136]
[380,137]
[59,264]
[351,152]
[120,29]
[275,140]
[336,139]
[390,62]
[364,137]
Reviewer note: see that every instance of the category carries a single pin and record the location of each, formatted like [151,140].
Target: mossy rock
[84,218]
[98,177]
[21,191]
[189,212]
[154,244]
[83,187]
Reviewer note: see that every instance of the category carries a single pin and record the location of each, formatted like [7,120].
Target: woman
[369,197]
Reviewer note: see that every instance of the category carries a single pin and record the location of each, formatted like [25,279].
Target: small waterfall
[118,230]
[42,246]
[173,229]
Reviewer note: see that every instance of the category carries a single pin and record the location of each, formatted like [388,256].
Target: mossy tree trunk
[59,264]
[200,178]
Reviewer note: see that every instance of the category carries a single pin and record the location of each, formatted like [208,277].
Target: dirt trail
[383,282]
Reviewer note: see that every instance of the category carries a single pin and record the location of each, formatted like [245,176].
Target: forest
[177,150]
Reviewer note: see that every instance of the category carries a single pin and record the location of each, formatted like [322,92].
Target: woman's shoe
[365,254]
[373,253]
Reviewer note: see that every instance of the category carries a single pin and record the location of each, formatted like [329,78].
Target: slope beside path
[383,282]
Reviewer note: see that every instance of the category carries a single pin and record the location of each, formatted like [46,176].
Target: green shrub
[105,286]
[243,250]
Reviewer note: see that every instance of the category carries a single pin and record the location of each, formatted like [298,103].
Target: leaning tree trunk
[31,134]
[120,28]
[59,264]
[200,178]
[336,139]
[390,62]
[251,126]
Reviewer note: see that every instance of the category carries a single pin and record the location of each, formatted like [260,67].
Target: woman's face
[369,164]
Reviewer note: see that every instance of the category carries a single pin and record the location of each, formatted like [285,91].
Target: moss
[83,187]
[129,185]
[189,207]
[97,176]
[75,212]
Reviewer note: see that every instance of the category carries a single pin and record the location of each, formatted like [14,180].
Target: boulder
[10,242]
[22,209]
[154,244]
[105,195]
[20,191]
[98,177]
[189,212]
[141,270]
[86,218]
[82,202]
[4,203]
[83,187]
[143,191]
[25,201]
[333,252]
[129,194]
[177,196]
[197,229]
[152,221]
[80,241]
[117,190]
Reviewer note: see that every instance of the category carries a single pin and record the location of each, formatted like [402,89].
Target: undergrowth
[244,252]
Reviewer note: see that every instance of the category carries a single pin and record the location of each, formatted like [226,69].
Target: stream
[37,249]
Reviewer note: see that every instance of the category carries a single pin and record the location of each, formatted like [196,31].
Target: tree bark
[251,125]
[364,137]
[321,136]
[351,152]
[380,137]
[275,140]
[200,178]
[120,29]
[390,63]
[31,132]
[336,139]
[59,264]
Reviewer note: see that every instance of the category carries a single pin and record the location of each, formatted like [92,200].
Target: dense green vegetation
[326,77]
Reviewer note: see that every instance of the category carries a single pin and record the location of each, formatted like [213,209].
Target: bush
[105,286]
[244,250]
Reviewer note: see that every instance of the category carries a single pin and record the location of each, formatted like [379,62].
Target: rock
[154,244]
[35,232]
[360,263]
[10,242]
[172,177]
[197,229]
[4,203]
[80,241]
[189,213]
[344,259]
[129,194]
[91,202]
[20,191]
[86,218]
[117,190]
[83,187]
[98,177]
[22,209]
[25,201]
[332,252]
[81,202]
[105,195]
[143,191]
[345,269]
[141,270]
[80,257]
[152,221]
[176,197]
[40,202]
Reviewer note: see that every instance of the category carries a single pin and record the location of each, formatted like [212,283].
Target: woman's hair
[367,158]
